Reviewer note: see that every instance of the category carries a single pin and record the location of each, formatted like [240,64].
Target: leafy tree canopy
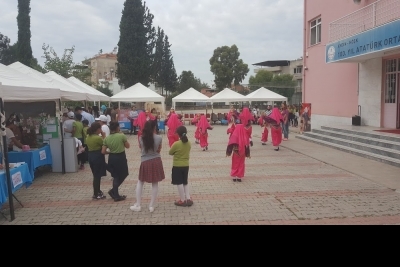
[7,52]
[227,67]
[187,80]
[281,84]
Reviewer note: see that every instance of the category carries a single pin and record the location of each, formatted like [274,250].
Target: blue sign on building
[380,38]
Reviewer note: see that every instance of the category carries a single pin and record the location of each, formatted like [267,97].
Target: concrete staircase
[370,145]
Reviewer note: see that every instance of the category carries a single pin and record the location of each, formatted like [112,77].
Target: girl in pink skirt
[151,168]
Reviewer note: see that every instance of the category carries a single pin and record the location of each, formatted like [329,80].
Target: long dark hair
[93,128]
[148,135]
[182,132]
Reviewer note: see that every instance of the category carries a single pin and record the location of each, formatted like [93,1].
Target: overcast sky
[261,29]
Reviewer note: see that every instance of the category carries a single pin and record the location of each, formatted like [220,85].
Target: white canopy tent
[101,96]
[227,95]
[71,87]
[264,94]
[68,92]
[20,87]
[138,93]
[190,95]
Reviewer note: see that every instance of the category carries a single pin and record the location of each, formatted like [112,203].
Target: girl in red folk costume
[173,123]
[239,148]
[275,119]
[141,120]
[232,117]
[246,119]
[195,122]
[203,126]
[264,129]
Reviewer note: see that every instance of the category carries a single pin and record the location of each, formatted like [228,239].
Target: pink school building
[352,61]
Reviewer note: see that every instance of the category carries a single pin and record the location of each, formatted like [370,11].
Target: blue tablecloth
[20,176]
[35,158]
[125,125]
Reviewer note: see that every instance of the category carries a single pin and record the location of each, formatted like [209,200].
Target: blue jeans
[285,128]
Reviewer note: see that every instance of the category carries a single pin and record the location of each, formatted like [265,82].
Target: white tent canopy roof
[100,95]
[190,95]
[227,95]
[67,92]
[71,87]
[137,93]
[20,87]
[264,94]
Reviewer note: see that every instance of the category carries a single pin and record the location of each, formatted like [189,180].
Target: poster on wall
[305,116]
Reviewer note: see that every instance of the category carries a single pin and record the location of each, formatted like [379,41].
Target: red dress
[264,133]
[276,134]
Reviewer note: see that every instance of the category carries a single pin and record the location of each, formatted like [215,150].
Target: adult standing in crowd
[97,161]
[108,115]
[116,143]
[133,116]
[151,167]
[104,127]
[285,123]
[12,141]
[85,115]
[68,124]
[77,132]
[114,113]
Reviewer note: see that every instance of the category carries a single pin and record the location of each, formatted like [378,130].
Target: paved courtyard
[303,183]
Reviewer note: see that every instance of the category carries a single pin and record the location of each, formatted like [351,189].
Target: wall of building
[332,89]
[370,92]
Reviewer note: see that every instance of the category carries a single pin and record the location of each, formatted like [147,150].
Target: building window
[298,70]
[315,31]
[392,76]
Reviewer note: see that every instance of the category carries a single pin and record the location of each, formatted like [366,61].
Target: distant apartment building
[293,67]
[103,67]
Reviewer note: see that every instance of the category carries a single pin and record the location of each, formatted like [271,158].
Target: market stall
[135,93]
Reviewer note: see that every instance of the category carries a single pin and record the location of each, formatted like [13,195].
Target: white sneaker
[135,208]
[151,209]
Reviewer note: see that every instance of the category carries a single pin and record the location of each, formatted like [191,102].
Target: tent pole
[62,142]
[6,163]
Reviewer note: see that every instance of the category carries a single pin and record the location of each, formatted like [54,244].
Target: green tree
[157,59]
[24,49]
[187,80]
[8,53]
[281,84]
[227,67]
[168,72]
[261,78]
[63,66]
[136,44]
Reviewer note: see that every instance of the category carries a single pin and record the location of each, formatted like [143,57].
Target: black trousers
[133,128]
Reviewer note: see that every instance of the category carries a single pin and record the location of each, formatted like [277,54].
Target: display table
[20,176]
[36,157]
[125,125]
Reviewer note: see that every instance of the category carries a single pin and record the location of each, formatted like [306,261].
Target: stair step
[360,138]
[365,154]
[383,151]
[392,138]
